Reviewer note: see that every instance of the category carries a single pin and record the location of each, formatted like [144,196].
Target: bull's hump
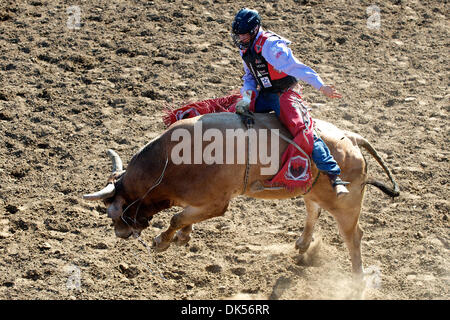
[232,120]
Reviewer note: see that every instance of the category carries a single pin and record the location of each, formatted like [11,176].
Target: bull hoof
[358,289]
[160,245]
[181,238]
[301,246]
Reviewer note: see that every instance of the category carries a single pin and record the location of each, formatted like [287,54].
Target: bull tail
[362,142]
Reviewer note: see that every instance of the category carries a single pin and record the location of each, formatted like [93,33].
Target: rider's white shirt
[277,52]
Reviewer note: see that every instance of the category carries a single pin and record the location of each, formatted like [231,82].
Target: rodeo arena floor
[80,77]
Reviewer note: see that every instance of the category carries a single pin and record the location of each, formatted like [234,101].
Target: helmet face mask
[245,21]
[244,45]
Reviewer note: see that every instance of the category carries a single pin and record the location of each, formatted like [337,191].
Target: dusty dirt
[67,95]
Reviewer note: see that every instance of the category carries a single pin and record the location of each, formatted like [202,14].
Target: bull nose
[123,234]
[121,230]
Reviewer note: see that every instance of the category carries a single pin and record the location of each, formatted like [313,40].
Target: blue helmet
[245,21]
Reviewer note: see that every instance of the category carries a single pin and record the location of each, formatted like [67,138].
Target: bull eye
[108,201]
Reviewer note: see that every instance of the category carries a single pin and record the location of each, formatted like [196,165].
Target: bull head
[114,201]
[126,207]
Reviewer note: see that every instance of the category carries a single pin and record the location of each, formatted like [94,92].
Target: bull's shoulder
[227,120]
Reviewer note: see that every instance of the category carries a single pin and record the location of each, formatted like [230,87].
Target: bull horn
[117,162]
[105,193]
[110,189]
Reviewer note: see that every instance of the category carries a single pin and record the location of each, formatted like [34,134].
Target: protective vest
[268,78]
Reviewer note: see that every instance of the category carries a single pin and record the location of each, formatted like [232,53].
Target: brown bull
[152,182]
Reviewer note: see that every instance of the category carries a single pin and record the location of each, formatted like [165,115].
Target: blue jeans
[266,102]
[323,159]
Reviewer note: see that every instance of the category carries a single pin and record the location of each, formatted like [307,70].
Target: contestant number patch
[266,82]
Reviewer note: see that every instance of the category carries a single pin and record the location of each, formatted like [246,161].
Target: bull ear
[115,208]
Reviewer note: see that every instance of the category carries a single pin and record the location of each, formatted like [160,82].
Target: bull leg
[312,214]
[352,233]
[183,235]
[184,219]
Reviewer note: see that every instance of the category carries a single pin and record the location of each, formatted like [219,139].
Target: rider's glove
[243,104]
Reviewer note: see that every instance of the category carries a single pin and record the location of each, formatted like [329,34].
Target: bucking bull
[153,182]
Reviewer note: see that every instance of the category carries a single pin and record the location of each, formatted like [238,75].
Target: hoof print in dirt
[128,271]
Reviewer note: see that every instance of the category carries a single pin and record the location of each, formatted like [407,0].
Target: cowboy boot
[339,185]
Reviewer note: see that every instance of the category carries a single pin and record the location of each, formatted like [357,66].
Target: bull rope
[249,125]
[138,238]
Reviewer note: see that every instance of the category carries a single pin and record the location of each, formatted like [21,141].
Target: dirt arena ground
[70,89]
